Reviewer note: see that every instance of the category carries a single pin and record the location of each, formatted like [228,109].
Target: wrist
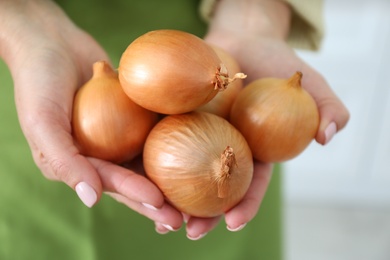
[15,17]
[11,17]
[249,18]
[27,24]
[276,18]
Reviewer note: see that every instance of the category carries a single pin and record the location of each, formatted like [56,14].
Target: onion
[277,117]
[171,72]
[106,123]
[221,104]
[200,162]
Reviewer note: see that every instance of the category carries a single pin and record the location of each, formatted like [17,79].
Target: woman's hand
[254,33]
[49,58]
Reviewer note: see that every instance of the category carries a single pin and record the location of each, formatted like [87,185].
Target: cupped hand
[254,33]
[49,58]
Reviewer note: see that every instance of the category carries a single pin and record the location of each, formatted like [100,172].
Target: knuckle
[41,162]
[60,169]
[55,169]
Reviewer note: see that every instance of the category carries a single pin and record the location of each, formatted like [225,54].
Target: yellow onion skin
[277,117]
[221,104]
[185,156]
[170,71]
[106,124]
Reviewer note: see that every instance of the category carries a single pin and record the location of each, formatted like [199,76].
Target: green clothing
[41,219]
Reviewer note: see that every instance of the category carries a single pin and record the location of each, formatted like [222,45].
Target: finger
[161,228]
[136,165]
[128,183]
[333,114]
[197,228]
[166,217]
[186,217]
[240,215]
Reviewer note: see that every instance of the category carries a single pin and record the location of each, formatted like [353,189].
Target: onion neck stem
[295,80]
[228,161]
[222,79]
[103,69]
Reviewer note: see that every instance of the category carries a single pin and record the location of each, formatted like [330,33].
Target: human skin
[254,32]
[50,58]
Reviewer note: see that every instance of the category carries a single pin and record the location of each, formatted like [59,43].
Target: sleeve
[307,26]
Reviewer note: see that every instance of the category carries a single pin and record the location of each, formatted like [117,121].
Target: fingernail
[196,238]
[162,232]
[237,228]
[186,217]
[170,228]
[146,205]
[86,194]
[330,131]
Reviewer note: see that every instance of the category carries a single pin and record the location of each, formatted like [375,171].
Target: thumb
[333,113]
[58,159]
[43,107]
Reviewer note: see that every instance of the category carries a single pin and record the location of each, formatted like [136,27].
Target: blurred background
[338,196]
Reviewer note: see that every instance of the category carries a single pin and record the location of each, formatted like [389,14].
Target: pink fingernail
[149,206]
[330,131]
[186,217]
[86,194]
[236,228]
[170,228]
[162,232]
[197,237]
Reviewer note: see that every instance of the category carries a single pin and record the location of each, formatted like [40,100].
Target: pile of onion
[200,162]
[200,155]
[107,124]
[277,117]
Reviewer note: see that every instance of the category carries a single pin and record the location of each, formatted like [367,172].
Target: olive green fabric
[40,219]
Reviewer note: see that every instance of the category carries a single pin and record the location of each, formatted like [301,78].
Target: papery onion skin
[277,117]
[221,104]
[170,71]
[106,124]
[183,155]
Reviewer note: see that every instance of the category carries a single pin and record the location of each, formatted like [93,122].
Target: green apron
[40,219]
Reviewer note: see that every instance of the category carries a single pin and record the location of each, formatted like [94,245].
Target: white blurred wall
[355,58]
